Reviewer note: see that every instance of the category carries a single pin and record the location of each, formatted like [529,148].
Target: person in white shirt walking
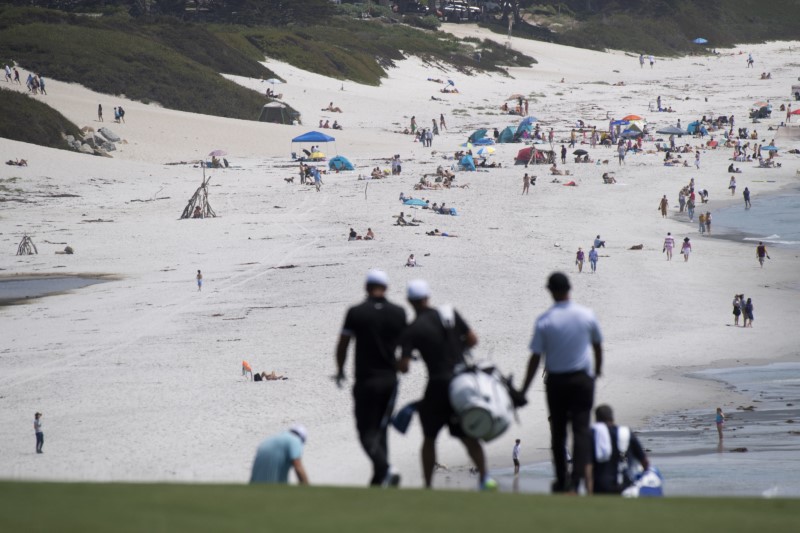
[515,457]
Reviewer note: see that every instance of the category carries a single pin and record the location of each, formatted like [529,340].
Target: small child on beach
[199,281]
[720,421]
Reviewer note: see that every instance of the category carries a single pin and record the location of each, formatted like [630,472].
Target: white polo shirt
[564,335]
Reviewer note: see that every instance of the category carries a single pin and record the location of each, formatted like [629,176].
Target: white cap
[300,431]
[418,289]
[377,277]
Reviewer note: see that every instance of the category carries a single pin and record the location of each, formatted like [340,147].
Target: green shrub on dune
[28,120]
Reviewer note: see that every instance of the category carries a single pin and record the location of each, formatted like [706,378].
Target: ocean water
[759,456]
[774,219]
[20,289]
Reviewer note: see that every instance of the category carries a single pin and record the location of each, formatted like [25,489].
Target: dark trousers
[374,403]
[569,399]
[39,442]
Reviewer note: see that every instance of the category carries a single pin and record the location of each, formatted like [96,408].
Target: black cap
[558,282]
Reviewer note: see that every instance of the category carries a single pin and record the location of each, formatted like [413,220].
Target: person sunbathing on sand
[437,233]
[17,163]
[272,376]
[332,108]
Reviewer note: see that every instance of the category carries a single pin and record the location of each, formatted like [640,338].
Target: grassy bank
[26,119]
[176,66]
[362,50]
[176,508]
[661,27]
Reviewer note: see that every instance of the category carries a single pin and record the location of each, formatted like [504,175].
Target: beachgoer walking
[690,207]
[663,205]
[116,115]
[761,253]
[376,325]
[429,138]
[567,335]
[615,447]
[515,453]
[746,195]
[199,278]
[413,124]
[732,185]
[737,309]
[276,455]
[573,137]
[652,61]
[720,420]
[551,137]
[441,336]
[641,60]
[526,183]
[686,249]
[593,256]
[435,127]
[121,114]
[748,313]
[621,153]
[41,85]
[750,61]
[697,159]
[579,257]
[100,112]
[563,154]
[442,124]
[37,429]
[669,244]
[702,223]
[708,222]
[317,178]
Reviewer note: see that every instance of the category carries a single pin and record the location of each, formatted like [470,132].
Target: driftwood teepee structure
[26,247]
[199,199]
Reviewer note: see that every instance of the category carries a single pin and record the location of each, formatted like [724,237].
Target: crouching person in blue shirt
[276,455]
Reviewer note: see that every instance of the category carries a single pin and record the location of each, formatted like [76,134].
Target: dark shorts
[435,410]
[374,402]
[516,462]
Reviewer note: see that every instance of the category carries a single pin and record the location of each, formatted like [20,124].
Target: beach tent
[542,156]
[340,163]
[467,163]
[672,130]
[278,113]
[477,134]
[631,132]
[526,124]
[620,123]
[507,135]
[313,137]
[695,127]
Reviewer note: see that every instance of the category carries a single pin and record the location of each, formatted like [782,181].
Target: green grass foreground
[175,508]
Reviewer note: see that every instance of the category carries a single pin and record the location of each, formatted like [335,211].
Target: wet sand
[758,456]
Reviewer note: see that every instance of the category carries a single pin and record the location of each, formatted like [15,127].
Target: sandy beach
[139,377]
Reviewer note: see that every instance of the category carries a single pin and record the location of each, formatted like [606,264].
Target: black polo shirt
[376,325]
[440,351]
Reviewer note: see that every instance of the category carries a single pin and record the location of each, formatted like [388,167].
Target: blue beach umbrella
[700,40]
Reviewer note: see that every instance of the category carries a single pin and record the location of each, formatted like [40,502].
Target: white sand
[139,378]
